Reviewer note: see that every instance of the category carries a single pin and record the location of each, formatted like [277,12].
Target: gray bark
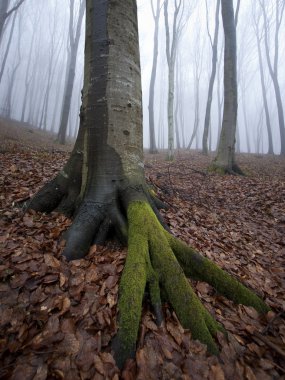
[225,159]
[212,80]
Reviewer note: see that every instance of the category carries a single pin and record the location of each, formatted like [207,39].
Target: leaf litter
[57,319]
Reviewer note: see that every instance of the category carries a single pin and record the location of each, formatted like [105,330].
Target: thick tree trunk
[104,183]
[212,80]
[225,159]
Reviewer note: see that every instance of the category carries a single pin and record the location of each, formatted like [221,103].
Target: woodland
[125,252]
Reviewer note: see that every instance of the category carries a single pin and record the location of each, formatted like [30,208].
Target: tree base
[156,260]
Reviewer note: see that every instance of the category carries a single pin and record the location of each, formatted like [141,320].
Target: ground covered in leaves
[57,318]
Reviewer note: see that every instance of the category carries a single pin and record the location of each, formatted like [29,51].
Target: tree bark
[225,159]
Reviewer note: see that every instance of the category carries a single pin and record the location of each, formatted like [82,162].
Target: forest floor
[57,318]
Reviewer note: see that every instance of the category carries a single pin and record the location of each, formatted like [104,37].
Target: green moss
[133,282]
[205,270]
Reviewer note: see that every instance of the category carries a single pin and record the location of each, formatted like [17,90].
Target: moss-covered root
[131,291]
[203,269]
[150,259]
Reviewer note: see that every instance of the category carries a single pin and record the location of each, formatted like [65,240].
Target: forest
[142,189]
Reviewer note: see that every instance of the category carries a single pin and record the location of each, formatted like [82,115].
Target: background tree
[114,196]
[156,16]
[256,16]
[74,36]
[5,13]
[225,159]
[171,54]
[214,45]
[278,8]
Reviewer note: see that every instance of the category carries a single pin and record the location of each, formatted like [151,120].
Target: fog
[34,54]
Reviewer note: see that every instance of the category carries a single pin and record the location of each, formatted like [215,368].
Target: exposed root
[152,258]
[156,260]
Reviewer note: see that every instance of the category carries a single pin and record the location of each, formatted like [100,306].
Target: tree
[74,37]
[225,159]
[114,197]
[256,21]
[156,16]
[171,54]
[5,13]
[273,65]
[214,45]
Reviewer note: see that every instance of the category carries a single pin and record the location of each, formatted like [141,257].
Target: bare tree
[156,16]
[74,36]
[256,26]
[5,12]
[214,45]
[179,21]
[225,159]
[3,65]
[267,10]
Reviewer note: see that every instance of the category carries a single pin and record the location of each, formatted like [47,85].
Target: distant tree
[258,34]
[74,36]
[214,45]
[197,71]
[268,10]
[156,16]
[225,158]
[3,64]
[5,12]
[104,182]
[171,54]
[54,52]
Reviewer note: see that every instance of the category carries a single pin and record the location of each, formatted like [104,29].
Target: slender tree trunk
[225,159]
[8,47]
[74,43]
[212,80]
[156,15]
[264,97]
[273,67]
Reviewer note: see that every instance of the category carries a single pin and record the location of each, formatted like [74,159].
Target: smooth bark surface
[225,159]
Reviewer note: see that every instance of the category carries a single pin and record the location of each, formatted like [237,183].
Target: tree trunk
[3,15]
[74,43]
[107,163]
[8,47]
[212,80]
[225,159]
[264,97]
[273,67]
[152,142]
